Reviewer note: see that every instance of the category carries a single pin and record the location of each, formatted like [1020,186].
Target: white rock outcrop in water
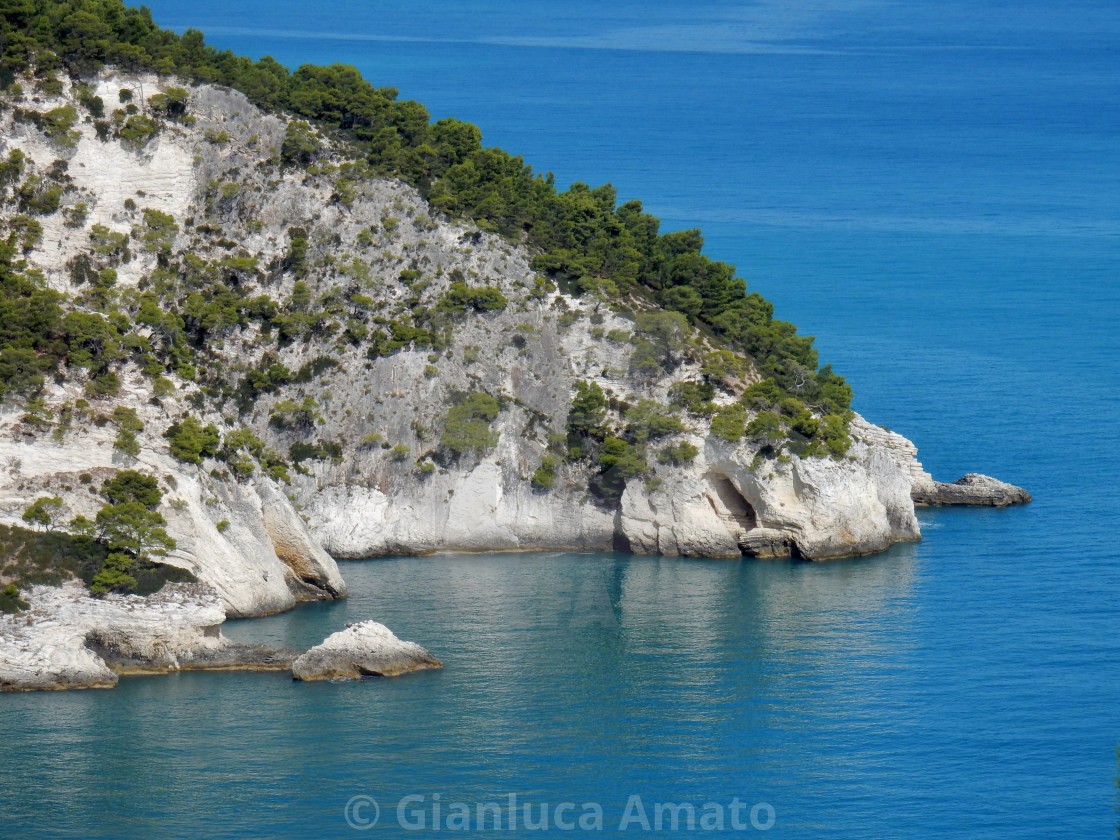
[973,489]
[365,649]
[726,504]
[68,639]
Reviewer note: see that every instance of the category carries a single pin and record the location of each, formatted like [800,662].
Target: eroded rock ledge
[69,639]
[972,489]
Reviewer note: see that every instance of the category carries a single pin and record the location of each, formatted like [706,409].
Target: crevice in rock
[620,542]
[730,505]
[319,588]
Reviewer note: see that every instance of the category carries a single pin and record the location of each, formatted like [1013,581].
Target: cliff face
[263,561]
[370,474]
[814,508]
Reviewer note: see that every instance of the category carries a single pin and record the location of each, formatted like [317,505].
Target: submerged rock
[365,649]
[972,489]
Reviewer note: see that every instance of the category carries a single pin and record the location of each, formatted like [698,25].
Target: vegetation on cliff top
[582,237]
[169,324]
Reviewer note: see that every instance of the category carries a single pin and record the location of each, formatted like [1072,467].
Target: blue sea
[931,189]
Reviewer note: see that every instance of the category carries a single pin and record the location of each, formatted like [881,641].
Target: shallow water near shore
[935,196]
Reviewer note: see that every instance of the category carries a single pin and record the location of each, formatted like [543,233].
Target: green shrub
[313,369]
[300,146]
[10,602]
[658,337]
[293,416]
[544,477]
[108,243]
[320,450]
[618,462]
[730,423]
[467,425]
[172,103]
[695,396]
[648,420]
[460,298]
[103,385]
[39,196]
[834,434]
[25,231]
[114,575]
[678,454]
[191,441]
[127,443]
[126,418]
[58,124]
[76,216]
[158,235]
[138,130]
[46,512]
[132,486]
[587,415]
[128,527]
[766,425]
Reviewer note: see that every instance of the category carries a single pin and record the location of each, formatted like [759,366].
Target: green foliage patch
[466,428]
[191,442]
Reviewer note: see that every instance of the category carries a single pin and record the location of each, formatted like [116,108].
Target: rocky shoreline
[69,639]
[370,467]
[972,489]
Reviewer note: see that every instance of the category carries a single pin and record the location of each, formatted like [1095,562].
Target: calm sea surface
[933,190]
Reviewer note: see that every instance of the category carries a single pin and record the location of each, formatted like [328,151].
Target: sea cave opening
[729,503]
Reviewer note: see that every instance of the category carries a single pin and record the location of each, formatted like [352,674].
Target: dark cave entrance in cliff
[730,504]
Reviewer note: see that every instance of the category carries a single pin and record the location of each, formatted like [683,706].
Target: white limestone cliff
[275,542]
[261,560]
[727,504]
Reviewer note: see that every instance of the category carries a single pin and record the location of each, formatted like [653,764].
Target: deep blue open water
[931,190]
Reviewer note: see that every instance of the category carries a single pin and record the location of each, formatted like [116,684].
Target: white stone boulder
[365,649]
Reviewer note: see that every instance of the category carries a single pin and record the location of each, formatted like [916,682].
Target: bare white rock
[48,646]
[365,649]
[973,489]
[727,503]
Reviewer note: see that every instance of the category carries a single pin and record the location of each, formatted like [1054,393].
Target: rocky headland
[315,363]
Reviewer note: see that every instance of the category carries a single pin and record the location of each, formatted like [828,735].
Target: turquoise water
[931,189]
